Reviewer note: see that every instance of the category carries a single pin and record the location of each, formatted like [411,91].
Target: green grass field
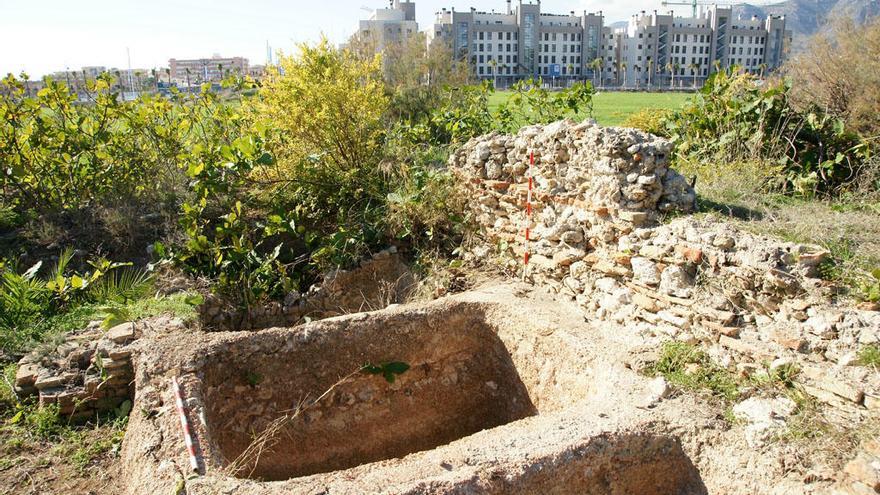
[612,108]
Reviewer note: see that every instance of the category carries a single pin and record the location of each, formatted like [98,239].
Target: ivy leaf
[389,371]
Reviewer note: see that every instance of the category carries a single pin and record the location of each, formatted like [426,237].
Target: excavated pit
[459,384]
[492,403]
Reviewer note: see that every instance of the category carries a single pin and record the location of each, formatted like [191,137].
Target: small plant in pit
[390,371]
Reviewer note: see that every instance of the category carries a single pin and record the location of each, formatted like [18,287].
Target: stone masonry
[602,236]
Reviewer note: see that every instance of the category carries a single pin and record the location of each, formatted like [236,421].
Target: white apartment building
[524,42]
[391,25]
[661,49]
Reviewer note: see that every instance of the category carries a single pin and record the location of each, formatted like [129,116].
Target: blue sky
[41,36]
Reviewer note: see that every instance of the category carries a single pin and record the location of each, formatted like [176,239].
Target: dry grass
[267,439]
[846,226]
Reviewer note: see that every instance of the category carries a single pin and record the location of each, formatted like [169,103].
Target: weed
[253,378]
[807,422]
[870,356]
[8,397]
[43,422]
[83,447]
[686,366]
[869,289]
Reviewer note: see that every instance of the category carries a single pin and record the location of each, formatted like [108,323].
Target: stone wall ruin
[597,239]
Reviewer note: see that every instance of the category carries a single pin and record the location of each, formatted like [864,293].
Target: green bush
[462,113]
[735,119]
[299,190]
[870,356]
[652,121]
[60,155]
[869,289]
[29,301]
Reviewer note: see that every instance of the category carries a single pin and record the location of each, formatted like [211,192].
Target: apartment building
[197,71]
[522,42]
[388,26]
[655,49]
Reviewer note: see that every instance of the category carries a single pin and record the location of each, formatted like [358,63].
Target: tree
[650,70]
[623,69]
[442,68]
[187,77]
[493,64]
[596,66]
[693,67]
[168,73]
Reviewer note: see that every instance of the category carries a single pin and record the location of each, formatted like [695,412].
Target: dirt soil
[30,466]
[582,420]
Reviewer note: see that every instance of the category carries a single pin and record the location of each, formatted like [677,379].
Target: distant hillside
[807,17]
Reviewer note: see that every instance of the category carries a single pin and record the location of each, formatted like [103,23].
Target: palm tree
[763,68]
[187,77]
[168,73]
[693,67]
[596,66]
[650,67]
[493,64]
[570,71]
[623,69]
[670,68]
[155,78]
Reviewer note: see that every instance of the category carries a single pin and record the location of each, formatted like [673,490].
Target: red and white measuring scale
[528,253]
[184,425]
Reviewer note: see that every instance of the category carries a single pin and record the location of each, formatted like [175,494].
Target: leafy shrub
[60,155]
[651,120]
[460,114]
[327,104]
[427,208]
[531,103]
[298,190]
[464,112]
[734,119]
